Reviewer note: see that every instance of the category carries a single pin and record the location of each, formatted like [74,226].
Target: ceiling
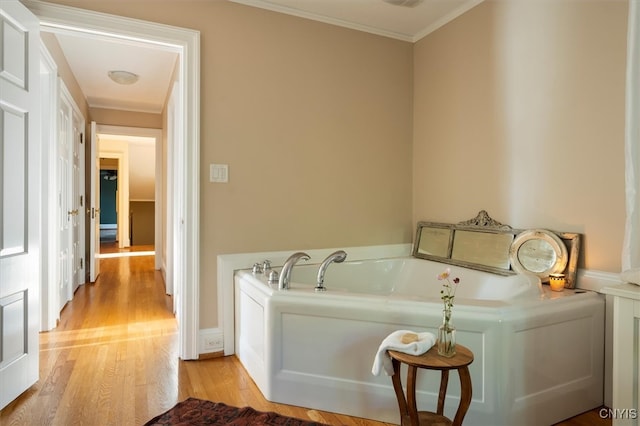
[407,20]
[90,57]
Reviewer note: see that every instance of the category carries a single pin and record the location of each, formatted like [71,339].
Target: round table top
[431,359]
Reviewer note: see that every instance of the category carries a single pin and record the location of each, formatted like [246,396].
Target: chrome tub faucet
[337,257]
[285,274]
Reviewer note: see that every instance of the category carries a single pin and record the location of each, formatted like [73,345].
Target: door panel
[65,255]
[20,194]
[76,206]
[14,185]
[94,233]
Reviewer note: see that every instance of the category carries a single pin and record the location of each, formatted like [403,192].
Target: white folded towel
[631,276]
[393,342]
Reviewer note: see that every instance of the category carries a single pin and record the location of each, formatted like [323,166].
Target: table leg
[411,395]
[397,386]
[444,382]
[465,395]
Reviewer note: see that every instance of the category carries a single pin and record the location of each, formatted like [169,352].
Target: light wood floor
[113,361]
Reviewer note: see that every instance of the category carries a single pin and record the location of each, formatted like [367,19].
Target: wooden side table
[430,360]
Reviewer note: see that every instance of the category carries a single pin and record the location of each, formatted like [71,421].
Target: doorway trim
[50,306]
[186,42]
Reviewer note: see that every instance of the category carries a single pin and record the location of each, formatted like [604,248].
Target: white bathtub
[538,358]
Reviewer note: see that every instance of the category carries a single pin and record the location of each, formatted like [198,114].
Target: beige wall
[519,110]
[65,74]
[315,122]
[113,117]
[341,138]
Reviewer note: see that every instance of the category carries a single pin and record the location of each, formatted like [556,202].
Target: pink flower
[445,274]
[448,292]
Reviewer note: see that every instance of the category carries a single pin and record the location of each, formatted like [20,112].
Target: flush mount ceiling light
[123,77]
[404,3]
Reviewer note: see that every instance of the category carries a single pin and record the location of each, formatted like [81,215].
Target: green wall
[108,214]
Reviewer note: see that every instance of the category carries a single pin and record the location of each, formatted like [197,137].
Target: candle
[556,282]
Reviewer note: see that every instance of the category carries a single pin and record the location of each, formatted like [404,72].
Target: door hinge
[81,263]
[81,200]
[81,138]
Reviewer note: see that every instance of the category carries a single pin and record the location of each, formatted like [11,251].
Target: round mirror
[537,255]
[539,252]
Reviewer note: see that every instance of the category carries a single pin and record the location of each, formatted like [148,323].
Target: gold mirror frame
[485,244]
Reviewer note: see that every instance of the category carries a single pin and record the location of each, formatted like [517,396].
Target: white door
[66,213]
[77,201]
[20,194]
[94,215]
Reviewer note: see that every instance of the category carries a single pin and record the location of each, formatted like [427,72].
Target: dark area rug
[193,411]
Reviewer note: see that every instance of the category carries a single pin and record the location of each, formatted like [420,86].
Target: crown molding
[326,19]
[412,38]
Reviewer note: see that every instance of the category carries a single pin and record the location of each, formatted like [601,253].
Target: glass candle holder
[557,282]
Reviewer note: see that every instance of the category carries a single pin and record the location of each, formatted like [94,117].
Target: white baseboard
[210,340]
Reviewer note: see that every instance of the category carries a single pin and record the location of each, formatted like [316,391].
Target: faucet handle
[273,277]
[257,268]
[266,265]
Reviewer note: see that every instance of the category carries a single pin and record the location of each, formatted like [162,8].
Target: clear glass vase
[446,336]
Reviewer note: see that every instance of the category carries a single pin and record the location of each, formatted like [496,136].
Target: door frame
[186,224]
[50,306]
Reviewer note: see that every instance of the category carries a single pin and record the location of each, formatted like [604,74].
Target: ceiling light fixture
[404,3]
[123,77]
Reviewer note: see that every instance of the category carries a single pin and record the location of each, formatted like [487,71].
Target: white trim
[228,264]
[604,282]
[631,243]
[361,27]
[50,312]
[71,20]
[326,19]
[187,43]
[172,108]
[446,19]
[159,214]
[596,280]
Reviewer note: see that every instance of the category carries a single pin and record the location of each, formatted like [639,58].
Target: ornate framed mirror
[485,244]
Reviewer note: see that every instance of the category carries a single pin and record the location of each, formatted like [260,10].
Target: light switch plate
[219,173]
